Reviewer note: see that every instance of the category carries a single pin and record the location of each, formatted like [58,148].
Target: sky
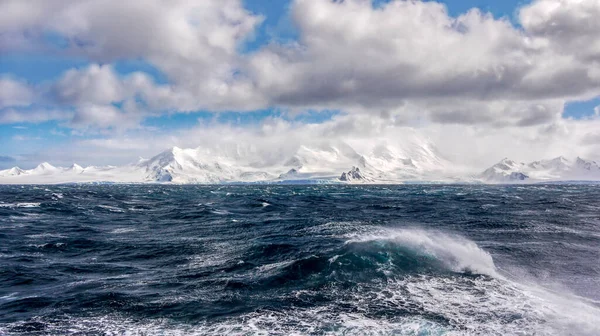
[99,83]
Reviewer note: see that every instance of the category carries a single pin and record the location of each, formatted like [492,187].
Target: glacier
[557,169]
[415,160]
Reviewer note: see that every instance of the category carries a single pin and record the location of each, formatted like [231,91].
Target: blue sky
[39,68]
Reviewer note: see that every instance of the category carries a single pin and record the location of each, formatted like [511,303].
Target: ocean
[300,260]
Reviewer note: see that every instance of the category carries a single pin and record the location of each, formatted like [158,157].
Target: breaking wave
[454,252]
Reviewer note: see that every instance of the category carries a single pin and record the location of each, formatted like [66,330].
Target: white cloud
[194,43]
[352,54]
[569,26]
[93,85]
[12,116]
[405,62]
[473,147]
[102,117]
[14,93]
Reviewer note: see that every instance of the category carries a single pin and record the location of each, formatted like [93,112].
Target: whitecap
[489,206]
[111,208]
[457,253]
[122,230]
[274,266]
[20,205]
[45,235]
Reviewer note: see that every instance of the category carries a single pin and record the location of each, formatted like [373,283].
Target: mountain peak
[76,168]
[507,164]
[557,169]
[560,159]
[353,175]
[14,171]
[45,166]
[590,166]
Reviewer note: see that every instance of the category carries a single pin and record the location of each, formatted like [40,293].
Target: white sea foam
[122,230]
[111,208]
[274,266]
[45,235]
[461,305]
[220,253]
[489,206]
[498,307]
[20,205]
[296,322]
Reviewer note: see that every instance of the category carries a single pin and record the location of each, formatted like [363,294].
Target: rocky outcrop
[353,175]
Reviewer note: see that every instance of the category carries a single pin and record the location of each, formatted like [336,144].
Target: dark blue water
[283,260]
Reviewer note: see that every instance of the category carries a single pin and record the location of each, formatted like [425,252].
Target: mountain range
[416,161]
[558,169]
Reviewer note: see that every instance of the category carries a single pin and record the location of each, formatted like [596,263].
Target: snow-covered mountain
[46,173]
[199,166]
[413,160]
[378,162]
[354,175]
[558,169]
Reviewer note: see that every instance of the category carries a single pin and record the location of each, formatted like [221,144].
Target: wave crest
[454,252]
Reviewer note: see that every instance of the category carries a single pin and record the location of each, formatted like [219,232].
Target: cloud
[193,43]
[12,116]
[93,85]
[104,116]
[351,53]
[14,93]
[406,60]
[570,27]
[592,138]
[472,147]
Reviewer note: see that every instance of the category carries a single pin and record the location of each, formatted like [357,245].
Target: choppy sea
[300,260]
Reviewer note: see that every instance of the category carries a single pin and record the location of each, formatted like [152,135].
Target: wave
[111,208]
[420,305]
[361,258]
[389,281]
[454,252]
[421,283]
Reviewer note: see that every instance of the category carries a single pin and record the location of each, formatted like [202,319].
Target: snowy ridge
[558,169]
[47,173]
[415,159]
